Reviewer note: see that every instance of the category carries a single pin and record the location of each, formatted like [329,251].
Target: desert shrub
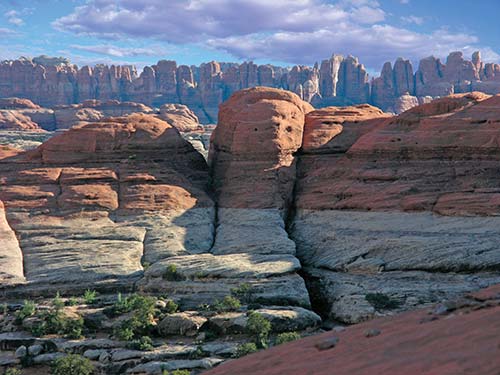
[259,327]
[244,292]
[57,302]
[12,371]
[72,301]
[28,309]
[286,337]
[72,364]
[124,333]
[54,321]
[172,274]
[176,372]
[144,343]
[134,302]
[171,307]
[382,301]
[229,303]
[181,372]
[73,328]
[142,319]
[89,297]
[245,349]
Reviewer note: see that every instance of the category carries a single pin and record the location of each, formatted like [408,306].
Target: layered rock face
[405,207]
[128,188]
[253,189]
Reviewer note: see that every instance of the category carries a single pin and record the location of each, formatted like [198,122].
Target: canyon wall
[335,81]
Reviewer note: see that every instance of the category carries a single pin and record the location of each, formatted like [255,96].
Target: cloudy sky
[282,32]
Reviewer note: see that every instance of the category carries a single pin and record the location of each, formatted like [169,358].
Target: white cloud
[110,50]
[293,31]
[404,1]
[4,32]
[13,17]
[413,19]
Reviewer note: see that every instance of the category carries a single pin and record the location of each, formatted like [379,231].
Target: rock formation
[384,205]
[438,339]
[80,190]
[346,212]
[21,114]
[336,81]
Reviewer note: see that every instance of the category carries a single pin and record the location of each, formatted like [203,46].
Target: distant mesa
[51,81]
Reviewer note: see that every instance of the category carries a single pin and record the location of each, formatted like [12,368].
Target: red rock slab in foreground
[443,340]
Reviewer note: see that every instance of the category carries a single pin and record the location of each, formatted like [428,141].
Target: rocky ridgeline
[22,114]
[336,81]
[26,125]
[345,212]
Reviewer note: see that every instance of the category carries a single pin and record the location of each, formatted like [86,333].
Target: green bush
[73,328]
[12,371]
[144,343]
[134,302]
[244,349]
[382,301]
[172,274]
[57,302]
[229,303]
[89,296]
[181,372]
[72,364]
[176,372]
[244,292]
[124,333]
[171,307]
[72,301]
[28,309]
[259,327]
[55,322]
[286,337]
[143,316]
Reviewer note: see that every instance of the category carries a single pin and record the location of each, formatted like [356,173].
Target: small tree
[72,364]
[259,327]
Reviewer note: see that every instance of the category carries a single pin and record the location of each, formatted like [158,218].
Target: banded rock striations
[92,188]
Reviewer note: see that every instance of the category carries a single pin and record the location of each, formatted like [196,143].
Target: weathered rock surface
[14,120]
[180,116]
[422,175]
[438,343]
[91,188]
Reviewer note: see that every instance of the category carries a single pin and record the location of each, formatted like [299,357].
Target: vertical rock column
[253,171]
[11,257]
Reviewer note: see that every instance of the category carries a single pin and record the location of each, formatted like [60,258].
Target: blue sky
[282,32]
